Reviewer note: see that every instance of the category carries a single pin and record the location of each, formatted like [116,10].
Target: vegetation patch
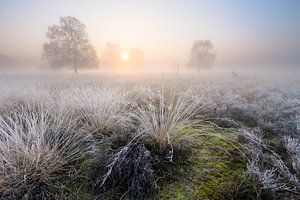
[89,140]
[215,169]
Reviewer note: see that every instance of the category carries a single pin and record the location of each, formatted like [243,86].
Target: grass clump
[38,155]
[163,114]
[130,168]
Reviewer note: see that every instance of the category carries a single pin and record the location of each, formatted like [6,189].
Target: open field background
[149,137]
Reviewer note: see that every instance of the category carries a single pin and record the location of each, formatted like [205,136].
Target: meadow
[149,137]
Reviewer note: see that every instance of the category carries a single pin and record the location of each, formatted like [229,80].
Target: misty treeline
[111,56]
[68,47]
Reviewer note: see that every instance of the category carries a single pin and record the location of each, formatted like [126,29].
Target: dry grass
[163,114]
[37,149]
[46,124]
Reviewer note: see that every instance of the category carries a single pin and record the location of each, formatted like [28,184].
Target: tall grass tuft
[37,151]
[163,114]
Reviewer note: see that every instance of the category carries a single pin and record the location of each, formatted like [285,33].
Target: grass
[215,170]
[177,138]
[37,150]
[163,115]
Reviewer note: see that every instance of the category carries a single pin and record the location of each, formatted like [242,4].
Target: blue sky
[262,32]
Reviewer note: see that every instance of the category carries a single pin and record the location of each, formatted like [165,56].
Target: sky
[244,32]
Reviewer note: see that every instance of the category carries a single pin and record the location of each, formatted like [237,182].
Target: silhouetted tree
[136,57]
[69,46]
[111,55]
[202,55]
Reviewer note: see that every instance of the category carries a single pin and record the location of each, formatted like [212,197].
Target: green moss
[78,185]
[210,172]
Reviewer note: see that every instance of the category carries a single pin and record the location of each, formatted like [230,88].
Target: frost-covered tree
[202,55]
[69,46]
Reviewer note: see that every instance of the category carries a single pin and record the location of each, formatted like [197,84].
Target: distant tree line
[111,56]
[68,47]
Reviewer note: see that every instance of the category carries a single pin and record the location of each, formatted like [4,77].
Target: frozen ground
[67,135]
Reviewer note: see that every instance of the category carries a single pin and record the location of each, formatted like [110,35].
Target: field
[149,137]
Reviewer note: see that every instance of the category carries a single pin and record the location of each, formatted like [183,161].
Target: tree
[112,58]
[136,57]
[111,55]
[69,46]
[202,55]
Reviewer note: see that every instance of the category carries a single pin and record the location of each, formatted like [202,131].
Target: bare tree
[202,55]
[69,46]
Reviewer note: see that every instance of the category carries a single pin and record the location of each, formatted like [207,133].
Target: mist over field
[149,100]
[263,36]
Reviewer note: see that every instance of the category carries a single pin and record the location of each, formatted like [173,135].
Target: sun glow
[125,56]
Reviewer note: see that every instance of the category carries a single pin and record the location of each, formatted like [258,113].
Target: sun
[125,56]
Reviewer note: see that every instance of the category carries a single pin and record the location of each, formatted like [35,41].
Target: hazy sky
[249,32]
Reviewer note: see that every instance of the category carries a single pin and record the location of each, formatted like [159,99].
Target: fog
[247,37]
[149,99]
